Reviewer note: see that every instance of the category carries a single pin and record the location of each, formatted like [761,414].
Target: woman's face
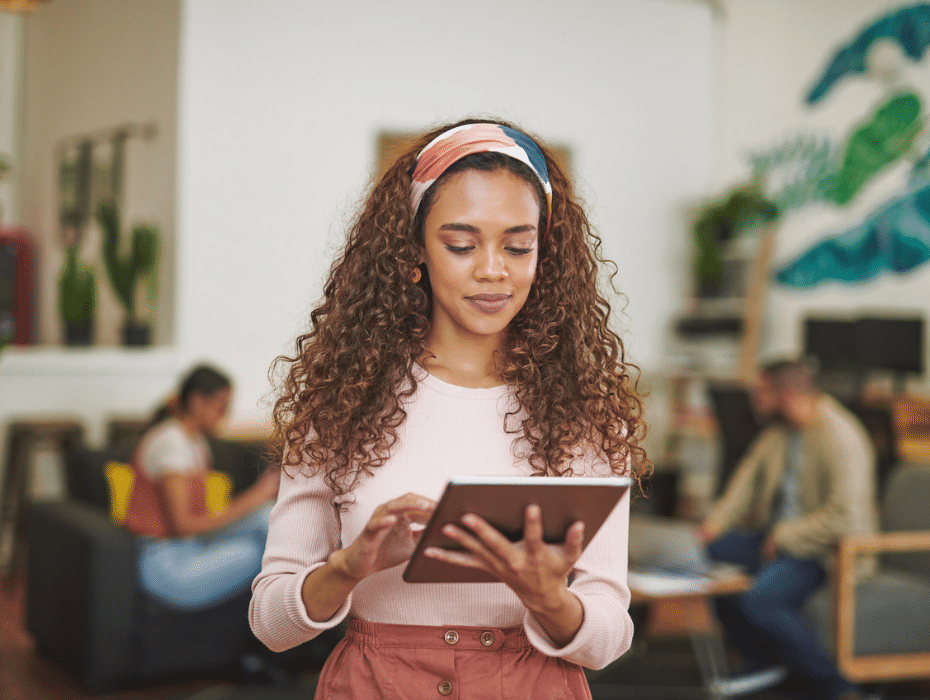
[209,410]
[481,248]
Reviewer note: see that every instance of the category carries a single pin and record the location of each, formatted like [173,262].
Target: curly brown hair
[341,399]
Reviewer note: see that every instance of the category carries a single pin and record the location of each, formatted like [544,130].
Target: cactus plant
[126,270]
[77,298]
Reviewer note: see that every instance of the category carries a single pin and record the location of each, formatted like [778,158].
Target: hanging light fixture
[20,6]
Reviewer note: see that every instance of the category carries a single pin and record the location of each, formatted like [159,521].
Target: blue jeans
[764,623]
[198,572]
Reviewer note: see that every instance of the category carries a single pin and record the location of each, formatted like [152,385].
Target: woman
[461,333]
[191,558]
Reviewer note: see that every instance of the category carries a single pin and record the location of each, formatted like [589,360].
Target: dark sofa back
[86,479]
[87,482]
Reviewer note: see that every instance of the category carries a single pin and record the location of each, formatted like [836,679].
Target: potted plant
[718,223]
[128,270]
[77,298]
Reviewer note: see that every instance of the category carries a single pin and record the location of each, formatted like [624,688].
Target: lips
[489,303]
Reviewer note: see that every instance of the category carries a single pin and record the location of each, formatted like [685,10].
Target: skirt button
[445,688]
[487,638]
[452,637]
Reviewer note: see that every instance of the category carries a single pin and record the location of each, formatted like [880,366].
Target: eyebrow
[467,228]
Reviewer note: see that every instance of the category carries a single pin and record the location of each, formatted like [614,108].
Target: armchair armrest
[82,591]
[849,549]
[854,545]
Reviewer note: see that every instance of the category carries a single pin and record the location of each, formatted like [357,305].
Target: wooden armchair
[877,666]
[881,621]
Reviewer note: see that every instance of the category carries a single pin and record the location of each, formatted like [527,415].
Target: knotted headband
[454,144]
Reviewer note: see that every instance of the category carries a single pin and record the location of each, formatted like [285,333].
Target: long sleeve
[599,582]
[746,500]
[304,530]
[449,431]
[837,487]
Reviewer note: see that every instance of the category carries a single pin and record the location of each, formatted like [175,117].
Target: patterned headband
[453,145]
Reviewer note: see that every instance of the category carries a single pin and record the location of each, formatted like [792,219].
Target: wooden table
[690,607]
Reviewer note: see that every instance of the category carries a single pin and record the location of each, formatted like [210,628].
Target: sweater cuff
[540,639]
[297,611]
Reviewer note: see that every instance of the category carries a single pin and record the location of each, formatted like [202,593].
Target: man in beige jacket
[807,480]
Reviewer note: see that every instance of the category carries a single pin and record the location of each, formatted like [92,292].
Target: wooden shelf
[30,360]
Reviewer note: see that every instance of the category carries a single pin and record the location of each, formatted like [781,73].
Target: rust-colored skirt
[396,662]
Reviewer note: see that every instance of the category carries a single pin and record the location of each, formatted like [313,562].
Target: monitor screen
[832,341]
[894,343]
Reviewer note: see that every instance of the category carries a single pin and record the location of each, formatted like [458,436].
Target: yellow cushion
[120,479]
[219,491]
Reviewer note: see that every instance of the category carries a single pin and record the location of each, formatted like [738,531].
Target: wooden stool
[23,436]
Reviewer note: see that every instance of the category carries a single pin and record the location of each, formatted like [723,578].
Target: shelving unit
[722,335]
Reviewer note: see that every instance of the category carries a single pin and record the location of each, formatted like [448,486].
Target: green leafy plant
[77,293]
[127,269]
[719,222]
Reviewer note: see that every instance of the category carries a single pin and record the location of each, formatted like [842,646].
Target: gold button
[445,688]
[451,638]
[487,638]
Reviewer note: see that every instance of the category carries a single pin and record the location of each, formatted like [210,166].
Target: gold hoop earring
[416,275]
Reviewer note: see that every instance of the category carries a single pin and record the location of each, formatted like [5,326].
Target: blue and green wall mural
[895,237]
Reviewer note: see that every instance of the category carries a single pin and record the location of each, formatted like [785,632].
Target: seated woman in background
[192,558]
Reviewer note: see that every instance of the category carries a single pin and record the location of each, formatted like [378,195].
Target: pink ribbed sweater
[449,431]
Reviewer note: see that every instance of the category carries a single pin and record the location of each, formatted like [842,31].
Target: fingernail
[450,530]
[470,519]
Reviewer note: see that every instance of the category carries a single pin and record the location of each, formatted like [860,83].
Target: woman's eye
[458,250]
[520,251]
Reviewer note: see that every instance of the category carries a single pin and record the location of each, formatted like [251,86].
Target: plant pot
[709,289]
[80,333]
[136,334]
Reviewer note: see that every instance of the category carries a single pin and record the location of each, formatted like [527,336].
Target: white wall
[276,107]
[11,54]
[281,103]
[774,51]
[92,65]
[89,65]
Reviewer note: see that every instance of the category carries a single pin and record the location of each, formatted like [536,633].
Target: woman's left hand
[536,571]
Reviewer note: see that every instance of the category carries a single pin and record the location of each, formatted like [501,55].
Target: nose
[491,265]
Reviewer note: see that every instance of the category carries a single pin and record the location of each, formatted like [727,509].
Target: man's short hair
[791,374]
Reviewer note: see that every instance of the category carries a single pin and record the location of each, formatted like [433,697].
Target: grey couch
[878,625]
[87,613]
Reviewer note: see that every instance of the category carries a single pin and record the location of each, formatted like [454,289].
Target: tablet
[502,501]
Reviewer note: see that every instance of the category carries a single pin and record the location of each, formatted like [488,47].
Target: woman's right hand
[388,539]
